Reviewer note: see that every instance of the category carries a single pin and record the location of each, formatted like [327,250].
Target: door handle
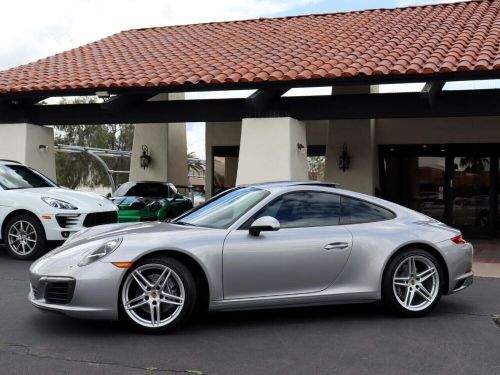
[336,246]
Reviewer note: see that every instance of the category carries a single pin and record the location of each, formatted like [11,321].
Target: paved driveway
[459,337]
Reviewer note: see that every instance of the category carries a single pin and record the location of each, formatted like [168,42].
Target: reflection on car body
[266,245]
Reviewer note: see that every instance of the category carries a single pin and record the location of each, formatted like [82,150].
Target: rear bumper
[463,283]
[459,261]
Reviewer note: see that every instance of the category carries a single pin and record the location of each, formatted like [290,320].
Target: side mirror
[264,224]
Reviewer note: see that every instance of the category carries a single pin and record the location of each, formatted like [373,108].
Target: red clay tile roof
[417,40]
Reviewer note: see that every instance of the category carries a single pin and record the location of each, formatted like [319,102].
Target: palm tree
[195,164]
[474,164]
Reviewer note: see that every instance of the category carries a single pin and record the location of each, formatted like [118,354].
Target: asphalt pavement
[458,337]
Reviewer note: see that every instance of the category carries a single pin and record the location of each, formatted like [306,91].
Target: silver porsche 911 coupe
[260,246]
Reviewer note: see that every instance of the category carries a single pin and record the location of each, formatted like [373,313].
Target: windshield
[21,177]
[152,190]
[223,210]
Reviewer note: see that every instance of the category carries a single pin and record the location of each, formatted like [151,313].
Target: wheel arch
[423,246]
[196,270]
[17,212]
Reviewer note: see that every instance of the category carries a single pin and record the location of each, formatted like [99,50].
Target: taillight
[459,240]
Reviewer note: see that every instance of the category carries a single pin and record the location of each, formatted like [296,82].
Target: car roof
[284,184]
[279,186]
[7,161]
[149,182]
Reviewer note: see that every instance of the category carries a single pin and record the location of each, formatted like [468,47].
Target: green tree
[78,169]
[195,164]
[316,166]
[474,164]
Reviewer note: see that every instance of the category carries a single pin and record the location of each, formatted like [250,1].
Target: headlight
[104,249]
[155,206]
[56,203]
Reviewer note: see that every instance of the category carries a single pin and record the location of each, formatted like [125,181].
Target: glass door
[455,184]
[417,182]
[471,190]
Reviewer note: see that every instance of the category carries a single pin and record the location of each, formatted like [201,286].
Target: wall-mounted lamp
[145,157]
[344,159]
[43,148]
[301,148]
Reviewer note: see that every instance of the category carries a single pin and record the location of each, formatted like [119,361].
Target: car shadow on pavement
[232,320]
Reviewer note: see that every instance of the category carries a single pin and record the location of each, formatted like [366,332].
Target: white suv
[34,211]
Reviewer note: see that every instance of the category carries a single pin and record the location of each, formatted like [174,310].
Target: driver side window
[303,209]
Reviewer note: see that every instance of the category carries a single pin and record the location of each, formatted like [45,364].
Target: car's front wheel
[157,295]
[412,283]
[24,237]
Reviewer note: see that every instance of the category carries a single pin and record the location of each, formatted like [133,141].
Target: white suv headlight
[104,249]
[57,203]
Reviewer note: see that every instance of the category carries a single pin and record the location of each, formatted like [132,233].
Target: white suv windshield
[224,209]
[21,177]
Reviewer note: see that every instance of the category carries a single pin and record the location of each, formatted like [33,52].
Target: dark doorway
[456,184]
[224,167]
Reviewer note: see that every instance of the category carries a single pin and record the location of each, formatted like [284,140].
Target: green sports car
[149,201]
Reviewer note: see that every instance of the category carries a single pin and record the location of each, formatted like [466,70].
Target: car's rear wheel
[24,237]
[412,283]
[157,295]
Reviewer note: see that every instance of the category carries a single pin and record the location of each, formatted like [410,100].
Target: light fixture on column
[43,148]
[302,149]
[145,157]
[344,159]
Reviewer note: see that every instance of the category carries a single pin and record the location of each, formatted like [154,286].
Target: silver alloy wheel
[153,295]
[416,283]
[22,237]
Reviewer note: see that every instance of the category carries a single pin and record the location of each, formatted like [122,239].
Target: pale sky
[34,29]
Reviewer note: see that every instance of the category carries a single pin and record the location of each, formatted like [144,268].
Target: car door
[305,255]
[176,204]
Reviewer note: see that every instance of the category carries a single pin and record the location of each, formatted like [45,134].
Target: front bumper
[61,225]
[94,293]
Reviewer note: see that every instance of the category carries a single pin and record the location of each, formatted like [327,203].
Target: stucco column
[268,150]
[167,147]
[359,136]
[219,134]
[32,145]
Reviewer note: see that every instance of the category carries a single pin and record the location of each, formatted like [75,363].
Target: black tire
[40,246]
[188,284]
[389,290]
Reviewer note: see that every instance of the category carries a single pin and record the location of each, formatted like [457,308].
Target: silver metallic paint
[289,267]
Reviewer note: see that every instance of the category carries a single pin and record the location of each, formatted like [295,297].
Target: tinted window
[303,209]
[151,190]
[355,211]
[21,177]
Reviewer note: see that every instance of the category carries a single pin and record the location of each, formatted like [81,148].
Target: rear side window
[302,209]
[355,211]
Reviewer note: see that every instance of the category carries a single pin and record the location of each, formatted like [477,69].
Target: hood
[86,201]
[115,230]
